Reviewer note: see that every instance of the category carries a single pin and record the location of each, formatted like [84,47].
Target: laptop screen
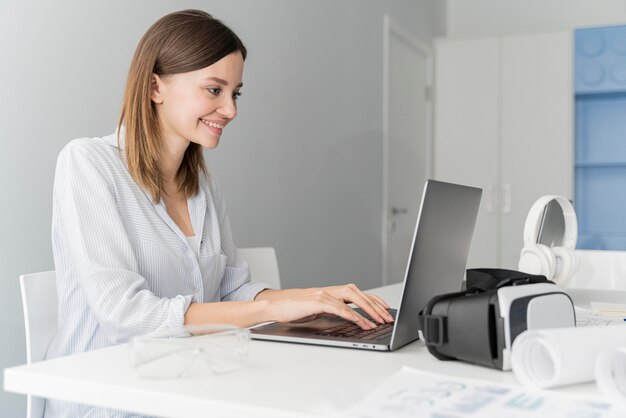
[438,255]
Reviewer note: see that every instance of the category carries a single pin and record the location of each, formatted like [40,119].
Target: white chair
[39,300]
[263,265]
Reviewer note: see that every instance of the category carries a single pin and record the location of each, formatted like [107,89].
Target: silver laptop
[436,265]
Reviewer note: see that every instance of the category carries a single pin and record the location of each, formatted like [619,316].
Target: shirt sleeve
[100,254]
[236,284]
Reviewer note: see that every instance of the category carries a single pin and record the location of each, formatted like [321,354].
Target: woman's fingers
[380,300]
[342,310]
[373,306]
[306,304]
[316,302]
[380,306]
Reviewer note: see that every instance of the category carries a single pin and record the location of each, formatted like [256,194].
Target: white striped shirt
[123,266]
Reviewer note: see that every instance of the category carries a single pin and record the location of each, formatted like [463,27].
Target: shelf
[599,94]
[614,164]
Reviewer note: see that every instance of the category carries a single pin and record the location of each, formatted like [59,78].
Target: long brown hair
[179,42]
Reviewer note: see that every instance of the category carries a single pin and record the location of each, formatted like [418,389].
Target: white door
[407,144]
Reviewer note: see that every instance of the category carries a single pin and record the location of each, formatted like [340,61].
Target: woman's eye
[236,95]
[214,90]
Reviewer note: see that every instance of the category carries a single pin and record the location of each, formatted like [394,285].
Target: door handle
[397,211]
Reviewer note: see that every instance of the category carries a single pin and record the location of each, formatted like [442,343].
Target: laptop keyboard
[352,330]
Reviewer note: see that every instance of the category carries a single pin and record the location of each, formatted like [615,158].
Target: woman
[141,238]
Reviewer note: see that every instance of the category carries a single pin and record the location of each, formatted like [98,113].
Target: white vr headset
[559,262]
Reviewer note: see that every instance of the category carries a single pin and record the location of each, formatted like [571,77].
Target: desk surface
[282,380]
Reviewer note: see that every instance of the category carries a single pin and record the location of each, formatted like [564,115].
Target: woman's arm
[93,248]
[293,305]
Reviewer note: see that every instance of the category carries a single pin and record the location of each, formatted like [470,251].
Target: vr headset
[479,325]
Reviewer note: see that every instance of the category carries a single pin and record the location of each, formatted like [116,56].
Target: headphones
[558,263]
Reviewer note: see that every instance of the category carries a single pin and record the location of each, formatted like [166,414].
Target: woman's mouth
[213,126]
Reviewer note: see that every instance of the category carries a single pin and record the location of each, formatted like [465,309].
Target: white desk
[282,380]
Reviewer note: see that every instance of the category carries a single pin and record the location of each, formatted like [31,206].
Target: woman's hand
[301,305]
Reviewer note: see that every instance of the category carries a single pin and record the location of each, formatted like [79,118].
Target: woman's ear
[156,86]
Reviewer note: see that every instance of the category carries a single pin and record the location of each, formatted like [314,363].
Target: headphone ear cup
[537,259]
[566,265]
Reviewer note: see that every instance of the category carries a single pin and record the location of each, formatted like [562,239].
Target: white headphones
[558,263]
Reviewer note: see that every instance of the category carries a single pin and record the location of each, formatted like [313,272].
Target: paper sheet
[562,356]
[414,393]
[588,318]
[609,309]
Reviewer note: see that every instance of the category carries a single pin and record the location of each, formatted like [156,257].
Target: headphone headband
[535,216]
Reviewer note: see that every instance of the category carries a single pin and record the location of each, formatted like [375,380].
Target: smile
[212,124]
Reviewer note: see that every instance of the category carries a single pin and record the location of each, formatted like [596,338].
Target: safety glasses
[174,352]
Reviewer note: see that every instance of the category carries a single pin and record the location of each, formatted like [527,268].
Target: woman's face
[197,105]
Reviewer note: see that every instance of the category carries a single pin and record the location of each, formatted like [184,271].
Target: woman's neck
[172,158]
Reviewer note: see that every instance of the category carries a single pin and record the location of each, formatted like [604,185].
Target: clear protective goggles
[174,352]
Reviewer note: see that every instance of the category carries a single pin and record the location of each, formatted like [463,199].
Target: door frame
[392,28]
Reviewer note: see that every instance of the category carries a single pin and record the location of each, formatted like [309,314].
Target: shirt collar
[112,139]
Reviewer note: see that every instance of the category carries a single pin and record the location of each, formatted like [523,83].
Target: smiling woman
[189,61]
[192,104]
[140,234]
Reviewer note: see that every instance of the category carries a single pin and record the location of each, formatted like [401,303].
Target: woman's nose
[229,108]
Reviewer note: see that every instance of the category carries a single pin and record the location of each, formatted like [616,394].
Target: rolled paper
[562,356]
[611,374]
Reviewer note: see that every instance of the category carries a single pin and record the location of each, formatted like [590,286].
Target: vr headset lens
[173,353]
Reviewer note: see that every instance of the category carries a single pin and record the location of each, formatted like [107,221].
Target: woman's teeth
[213,124]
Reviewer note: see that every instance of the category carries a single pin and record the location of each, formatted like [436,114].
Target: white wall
[300,168]
[493,17]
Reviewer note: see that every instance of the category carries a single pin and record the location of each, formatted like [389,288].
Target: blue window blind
[600,131]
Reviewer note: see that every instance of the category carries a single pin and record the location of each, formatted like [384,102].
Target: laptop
[435,265]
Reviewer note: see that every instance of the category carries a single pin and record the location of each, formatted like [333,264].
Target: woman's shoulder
[92,144]
[101,153]
[92,148]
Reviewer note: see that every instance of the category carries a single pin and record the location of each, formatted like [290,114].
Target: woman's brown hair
[179,42]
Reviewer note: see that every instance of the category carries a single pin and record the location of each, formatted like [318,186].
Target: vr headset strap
[489,278]
[434,327]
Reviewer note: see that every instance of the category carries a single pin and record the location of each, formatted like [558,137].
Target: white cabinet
[503,121]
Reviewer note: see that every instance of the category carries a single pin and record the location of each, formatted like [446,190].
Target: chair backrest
[263,265]
[39,300]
